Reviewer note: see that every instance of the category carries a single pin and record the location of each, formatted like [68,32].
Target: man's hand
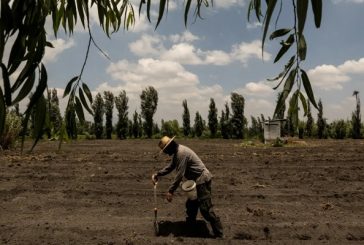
[154,179]
[169,197]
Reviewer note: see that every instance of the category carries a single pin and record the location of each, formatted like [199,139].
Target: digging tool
[156,225]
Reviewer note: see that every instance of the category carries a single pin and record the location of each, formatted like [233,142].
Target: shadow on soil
[181,229]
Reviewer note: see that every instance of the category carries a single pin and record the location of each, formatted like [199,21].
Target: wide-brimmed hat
[164,142]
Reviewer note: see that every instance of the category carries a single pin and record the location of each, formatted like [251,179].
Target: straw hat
[164,142]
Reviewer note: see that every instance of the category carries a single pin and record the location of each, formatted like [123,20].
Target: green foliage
[11,131]
[256,128]
[338,129]
[137,126]
[109,106]
[55,117]
[170,128]
[199,125]
[356,118]
[212,116]
[278,143]
[301,129]
[310,122]
[296,38]
[186,119]
[121,102]
[225,122]
[238,120]
[99,110]
[149,102]
[321,121]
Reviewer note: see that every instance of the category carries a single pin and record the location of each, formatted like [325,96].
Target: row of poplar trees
[230,124]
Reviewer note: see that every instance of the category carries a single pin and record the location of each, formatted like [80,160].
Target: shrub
[13,126]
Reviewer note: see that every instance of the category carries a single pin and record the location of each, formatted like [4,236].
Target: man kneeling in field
[189,166]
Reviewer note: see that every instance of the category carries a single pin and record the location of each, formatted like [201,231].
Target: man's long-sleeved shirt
[188,165]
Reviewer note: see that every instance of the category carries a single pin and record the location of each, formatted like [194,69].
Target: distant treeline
[230,124]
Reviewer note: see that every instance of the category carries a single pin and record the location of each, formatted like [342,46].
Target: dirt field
[100,192]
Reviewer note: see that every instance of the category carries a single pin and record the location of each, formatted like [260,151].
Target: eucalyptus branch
[297,43]
[97,46]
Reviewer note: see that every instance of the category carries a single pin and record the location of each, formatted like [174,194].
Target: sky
[212,57]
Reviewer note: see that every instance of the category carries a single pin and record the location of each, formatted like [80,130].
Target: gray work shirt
[187,165]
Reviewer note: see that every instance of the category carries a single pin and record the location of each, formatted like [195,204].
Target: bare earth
[100,192]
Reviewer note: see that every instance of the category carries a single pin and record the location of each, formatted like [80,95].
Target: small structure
[272,129]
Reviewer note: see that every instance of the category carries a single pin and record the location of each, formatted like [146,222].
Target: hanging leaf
[304,103]
[25,90]
[187,9]
[287,68]
[39,119]
[83,100]
[302,6]
[162,4]
[17,53]
[148,9]
[308,88]
[87,91]
[302,47]
[257,7]
[285,46]
[7,88]
[69,86]
[279,33]
[317,11]
[293,108]
[286,91]
[2,112]
[79,110]
[268,16]
[39,90]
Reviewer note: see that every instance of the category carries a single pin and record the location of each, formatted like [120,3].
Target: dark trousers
[204,202]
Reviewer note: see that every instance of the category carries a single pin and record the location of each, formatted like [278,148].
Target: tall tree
[309,123]
[199,125]
[321,122]
[213,122]
[225,122]
[109,106]
[356,118]
[238,119]
[136,125]
[149,102]
[186,119]
[99,110]
[121,102]
[54,112]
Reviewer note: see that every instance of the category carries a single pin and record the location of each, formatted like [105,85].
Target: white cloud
[330,77]
[253,25]
[186,36]
[183,53]
[147,45]
[347,1]
[243,52]
[217,57]
[172,81]
[229,3]
[258,89]
[353,66]
[60,45]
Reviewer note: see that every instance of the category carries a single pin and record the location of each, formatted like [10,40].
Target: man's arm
[181,169]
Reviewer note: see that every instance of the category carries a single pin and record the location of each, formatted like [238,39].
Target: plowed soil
[100,192]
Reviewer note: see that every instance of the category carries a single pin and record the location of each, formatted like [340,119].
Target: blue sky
[213,57]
